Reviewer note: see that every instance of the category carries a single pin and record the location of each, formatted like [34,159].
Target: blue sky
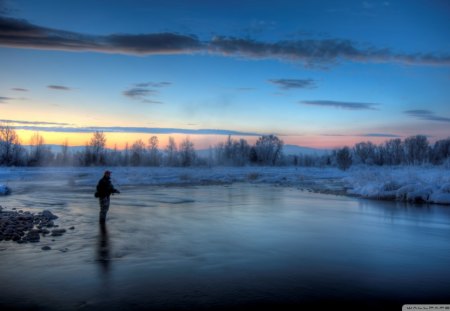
[316,73]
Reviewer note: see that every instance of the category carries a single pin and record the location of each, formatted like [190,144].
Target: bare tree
[10,148]
[365,151]
[97,148]
[171,153]
[416,149]
[154,155]
[393,149]
[137,153]
[39,153]
[187,152]
[268,149]
[344,158]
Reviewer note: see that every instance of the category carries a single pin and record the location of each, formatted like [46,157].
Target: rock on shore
[24,227]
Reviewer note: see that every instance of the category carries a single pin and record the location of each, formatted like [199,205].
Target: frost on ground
[413,183]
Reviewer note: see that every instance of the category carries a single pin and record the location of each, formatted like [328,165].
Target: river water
[239,246]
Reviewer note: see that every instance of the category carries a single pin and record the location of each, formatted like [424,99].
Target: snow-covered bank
[412,184]
[409,184]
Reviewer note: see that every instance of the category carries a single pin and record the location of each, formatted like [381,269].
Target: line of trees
[413,150]
[267,150]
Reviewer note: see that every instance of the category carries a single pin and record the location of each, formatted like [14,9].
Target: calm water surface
[226,247]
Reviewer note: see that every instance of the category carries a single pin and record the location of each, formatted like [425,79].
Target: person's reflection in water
[103,251]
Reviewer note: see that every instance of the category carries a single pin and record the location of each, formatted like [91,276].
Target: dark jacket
[105,188]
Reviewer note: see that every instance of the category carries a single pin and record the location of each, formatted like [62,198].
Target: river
[238,246]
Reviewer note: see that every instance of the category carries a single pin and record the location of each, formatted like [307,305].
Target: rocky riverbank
[26,227]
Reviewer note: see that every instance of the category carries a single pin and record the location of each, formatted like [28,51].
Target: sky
[320,74]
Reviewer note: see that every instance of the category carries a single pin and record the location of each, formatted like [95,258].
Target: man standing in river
[104,190]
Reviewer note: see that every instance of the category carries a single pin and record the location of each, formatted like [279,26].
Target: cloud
[426,115]
[388,135]
[141,91]
[59,87]
[4,99]
[137,92]
[287,84]
[34,122]
[19,89]
[379,135]
[20,33]
[343,105]
[154,84]
[142,130]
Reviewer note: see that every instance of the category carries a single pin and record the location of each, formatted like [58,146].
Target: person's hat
[107,172]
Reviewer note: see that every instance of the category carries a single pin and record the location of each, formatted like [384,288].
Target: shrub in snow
[4,190]
[445,188]
[391,186]
[344,158]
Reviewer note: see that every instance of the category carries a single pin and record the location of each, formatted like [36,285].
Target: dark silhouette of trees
[171,153]
[187,152]
[39,154]
[11,152]
[416,149]
[344,158]
[268,149]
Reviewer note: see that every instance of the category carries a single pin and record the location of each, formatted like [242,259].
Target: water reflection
[103,249]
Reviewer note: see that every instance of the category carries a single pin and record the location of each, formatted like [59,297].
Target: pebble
[46,248]
[58,232]
[25,227]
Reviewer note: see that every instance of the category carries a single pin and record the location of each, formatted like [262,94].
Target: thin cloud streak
[59,87]
[34,122]
[20,33]
[339,104]
[427,115]
[387,135]
[19,89]
[287,84]
[141,130]
[4,99]
[142,91]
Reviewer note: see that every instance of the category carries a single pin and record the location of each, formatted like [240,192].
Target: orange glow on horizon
[119,140]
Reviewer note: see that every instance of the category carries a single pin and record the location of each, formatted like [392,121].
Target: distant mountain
[58,148]
[287,150]
[295,150]
[204,153]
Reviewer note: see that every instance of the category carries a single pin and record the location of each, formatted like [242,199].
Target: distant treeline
[267,150]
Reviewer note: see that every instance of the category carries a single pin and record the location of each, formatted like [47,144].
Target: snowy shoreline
[416,184]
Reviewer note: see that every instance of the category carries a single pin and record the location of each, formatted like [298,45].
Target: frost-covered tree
[39,153]
[233,152]
[365,152]
[344,158]
[114,157]
[154,154]
[394,152]
[11,152]
[187,152]
[63,157]
[97,146]
[440,151]
[171,153]
[126,156]
[416,149]
[268,149]
[137,153]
